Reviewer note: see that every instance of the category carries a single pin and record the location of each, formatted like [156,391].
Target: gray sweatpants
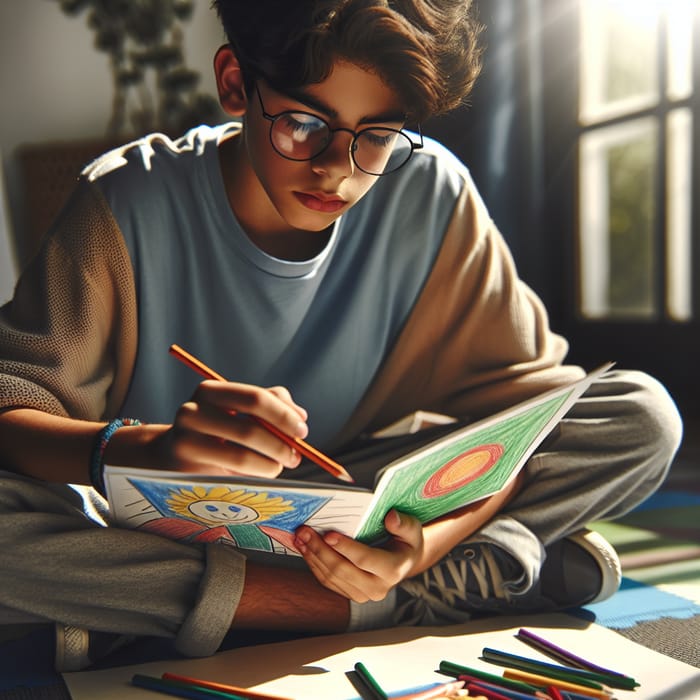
[58,562]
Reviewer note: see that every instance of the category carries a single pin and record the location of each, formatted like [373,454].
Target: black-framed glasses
[300,136]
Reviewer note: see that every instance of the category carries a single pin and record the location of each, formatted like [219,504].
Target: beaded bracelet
[98,451]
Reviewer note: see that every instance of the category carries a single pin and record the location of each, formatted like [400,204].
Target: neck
[269,232]
[292,245]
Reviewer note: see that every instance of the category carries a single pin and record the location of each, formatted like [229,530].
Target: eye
[211,509]
[234,509]
[301,123]
[380,138]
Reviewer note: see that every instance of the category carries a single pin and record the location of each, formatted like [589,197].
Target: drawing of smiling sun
[238,516]
[222,506]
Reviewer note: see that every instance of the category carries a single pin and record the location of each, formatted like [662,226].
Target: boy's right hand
[215,433]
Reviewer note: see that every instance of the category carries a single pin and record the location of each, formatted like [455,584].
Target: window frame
[665,347]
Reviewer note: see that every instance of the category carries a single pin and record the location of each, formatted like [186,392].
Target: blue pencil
[507,692]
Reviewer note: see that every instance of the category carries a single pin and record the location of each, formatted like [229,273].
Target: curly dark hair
[425,50]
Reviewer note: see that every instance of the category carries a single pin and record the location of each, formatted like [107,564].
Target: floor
[659,547]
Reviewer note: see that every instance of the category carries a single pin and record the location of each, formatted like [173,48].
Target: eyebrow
[298,95]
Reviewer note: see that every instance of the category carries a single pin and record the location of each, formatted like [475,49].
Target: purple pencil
[564,655]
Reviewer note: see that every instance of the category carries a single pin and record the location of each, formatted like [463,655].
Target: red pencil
[222,687]
[554,693]
[298,444]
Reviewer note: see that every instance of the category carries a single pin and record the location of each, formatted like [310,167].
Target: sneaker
[480,578]
[77,648]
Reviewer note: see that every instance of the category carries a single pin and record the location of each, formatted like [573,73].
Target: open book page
[469,464]
[252,514]
[454,470]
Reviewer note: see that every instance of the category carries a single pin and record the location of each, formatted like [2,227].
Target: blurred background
[582,135]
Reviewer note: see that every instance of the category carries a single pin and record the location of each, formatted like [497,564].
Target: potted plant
[154,90]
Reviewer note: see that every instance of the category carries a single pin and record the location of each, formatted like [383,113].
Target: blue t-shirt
[320,327]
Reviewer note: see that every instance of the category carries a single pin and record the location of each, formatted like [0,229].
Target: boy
[321,248]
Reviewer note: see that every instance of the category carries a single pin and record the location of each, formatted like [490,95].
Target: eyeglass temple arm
[420,135]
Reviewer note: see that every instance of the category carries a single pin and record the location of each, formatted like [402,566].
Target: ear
[229,82]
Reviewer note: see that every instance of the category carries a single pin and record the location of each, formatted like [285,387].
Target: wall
[56,86]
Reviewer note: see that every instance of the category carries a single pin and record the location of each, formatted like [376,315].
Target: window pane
[619,57]
[678,197]
[616,225]
[680,48]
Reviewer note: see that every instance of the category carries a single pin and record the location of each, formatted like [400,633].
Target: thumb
[402,526]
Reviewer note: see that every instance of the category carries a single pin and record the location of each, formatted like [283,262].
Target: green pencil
[585,678]
[369,681]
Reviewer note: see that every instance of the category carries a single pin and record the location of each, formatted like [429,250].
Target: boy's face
[309,195]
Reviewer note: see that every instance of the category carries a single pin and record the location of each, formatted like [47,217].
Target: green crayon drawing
[459,473]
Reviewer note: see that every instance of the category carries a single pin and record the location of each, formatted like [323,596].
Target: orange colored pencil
[222,687]
[298,444]
[545,682]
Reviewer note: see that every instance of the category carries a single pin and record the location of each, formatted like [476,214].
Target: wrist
[136,447]
[102,440]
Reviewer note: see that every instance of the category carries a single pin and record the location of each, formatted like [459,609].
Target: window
[634,249]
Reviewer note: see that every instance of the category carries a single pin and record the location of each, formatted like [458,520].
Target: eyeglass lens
[301,136]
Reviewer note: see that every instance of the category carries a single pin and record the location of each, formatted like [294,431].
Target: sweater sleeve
[68,336]
[477,340]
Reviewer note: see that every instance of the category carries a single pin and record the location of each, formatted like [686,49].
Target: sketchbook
[460,468]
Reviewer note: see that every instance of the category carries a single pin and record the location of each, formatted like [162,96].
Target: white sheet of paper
[315,668]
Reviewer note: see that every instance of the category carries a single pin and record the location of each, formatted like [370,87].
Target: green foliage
[153,88]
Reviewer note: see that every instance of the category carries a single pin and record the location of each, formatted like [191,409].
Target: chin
[312,222]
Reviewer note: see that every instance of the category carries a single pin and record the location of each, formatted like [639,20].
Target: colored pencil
[582,677]
[181,690]
[544,682]
[482,690]
[554,693]
[322,460]
[223,687]
[371,684]
[568,657]
[504,683]
[467,673]
[512,694]
[440,690]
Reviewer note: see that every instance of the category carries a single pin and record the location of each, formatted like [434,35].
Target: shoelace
[433,599]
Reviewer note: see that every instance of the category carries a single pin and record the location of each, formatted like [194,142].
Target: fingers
[283,394]
[385,562]
[218,431]
[334,571]
[404,528]
[356,570]
[192,451]
[274,406]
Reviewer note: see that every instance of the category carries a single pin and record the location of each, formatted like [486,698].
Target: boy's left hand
[358,571]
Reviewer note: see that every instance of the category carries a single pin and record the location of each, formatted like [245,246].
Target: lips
[320,201]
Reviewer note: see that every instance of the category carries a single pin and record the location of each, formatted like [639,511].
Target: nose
[336,160]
